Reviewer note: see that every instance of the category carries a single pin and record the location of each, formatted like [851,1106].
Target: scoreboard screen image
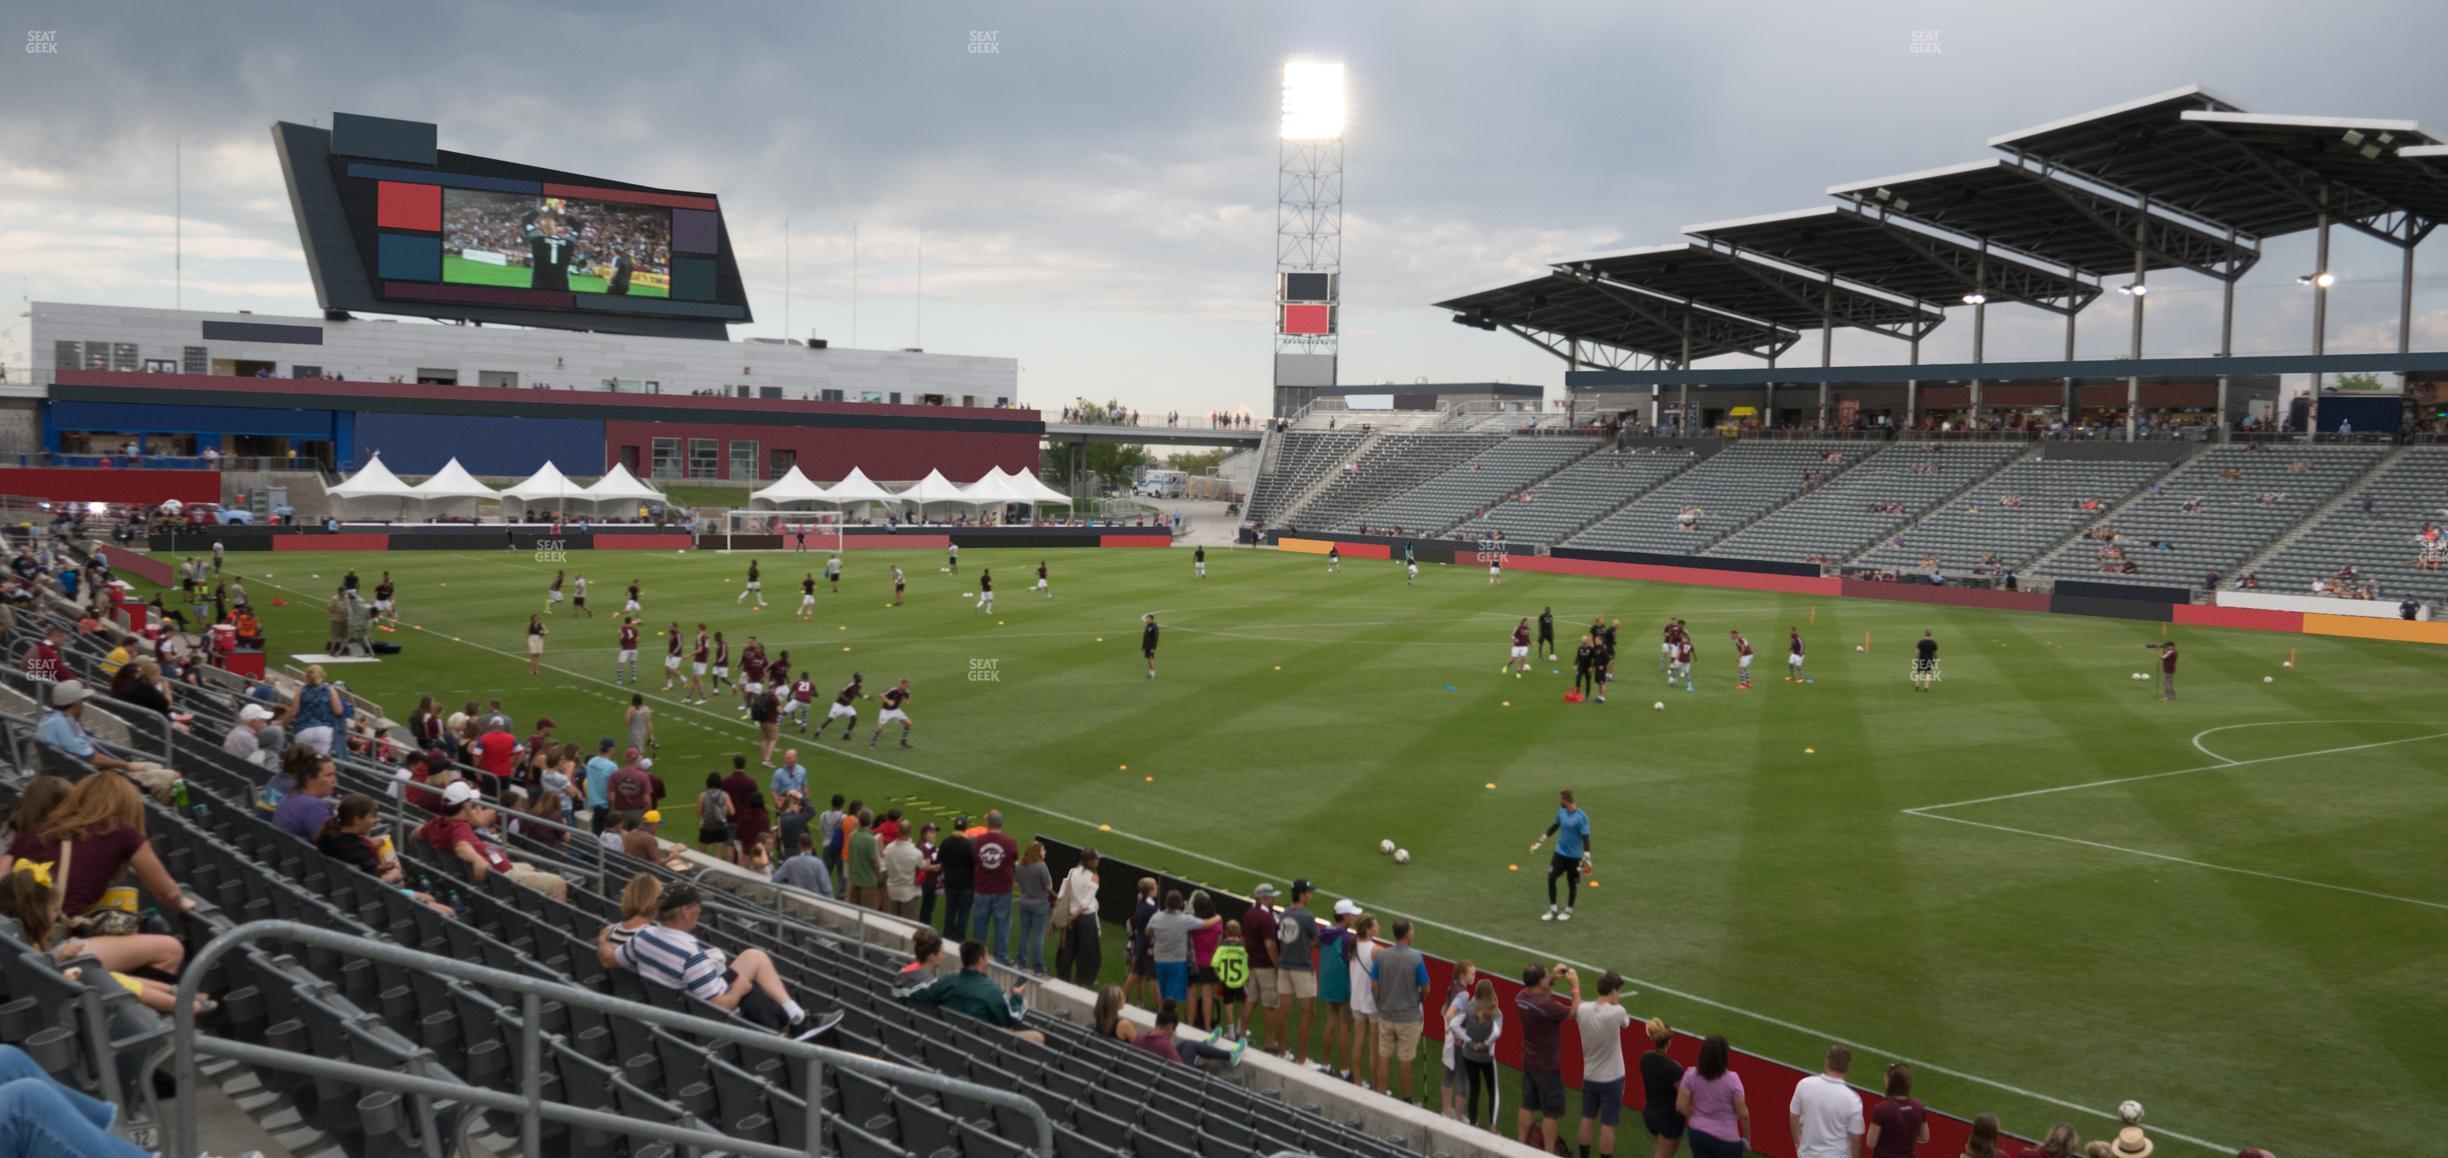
[393,224]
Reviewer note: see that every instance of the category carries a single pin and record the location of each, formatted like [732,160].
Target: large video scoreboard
[393,224]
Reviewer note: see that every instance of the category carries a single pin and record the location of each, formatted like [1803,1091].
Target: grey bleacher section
[2233,526]
[2381,545]
[1578,494]
[1733,487]
[1395,463]
[1300,457]
[2014,516]
[1465,490]
[1835,520]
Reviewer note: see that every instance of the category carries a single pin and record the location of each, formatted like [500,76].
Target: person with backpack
[714,819]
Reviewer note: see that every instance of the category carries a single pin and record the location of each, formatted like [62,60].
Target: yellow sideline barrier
[2360,627]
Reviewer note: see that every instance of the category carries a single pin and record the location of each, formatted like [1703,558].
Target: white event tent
[618,486]
[792,487]
[371,483]
[547,488]
[452,488]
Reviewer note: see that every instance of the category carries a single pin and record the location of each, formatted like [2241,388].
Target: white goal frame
[822,529]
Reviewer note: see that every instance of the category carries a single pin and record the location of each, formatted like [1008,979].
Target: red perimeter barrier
[1951,596]
[2256,618]
[673,542]
[331,542]
[1134,540]
[896,542]
[1768,1085]
[143,566]
[101,485]
[1700,576]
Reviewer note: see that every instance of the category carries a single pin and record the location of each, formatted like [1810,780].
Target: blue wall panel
[173,418]
[421,443]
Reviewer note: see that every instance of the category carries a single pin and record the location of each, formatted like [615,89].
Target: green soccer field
[2045,887]
[457,270]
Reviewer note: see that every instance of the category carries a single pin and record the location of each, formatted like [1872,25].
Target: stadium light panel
[1312,100]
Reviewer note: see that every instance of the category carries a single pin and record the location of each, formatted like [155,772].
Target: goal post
[781,531]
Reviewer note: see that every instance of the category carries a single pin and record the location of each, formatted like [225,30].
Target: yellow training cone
[1809,751]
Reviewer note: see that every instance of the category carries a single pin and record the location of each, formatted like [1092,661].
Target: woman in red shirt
[1899,1122]
[99,830]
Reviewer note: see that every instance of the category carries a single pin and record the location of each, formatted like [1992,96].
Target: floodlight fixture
[1312,100]
[2321,280]
[1976,298]
[2134,289]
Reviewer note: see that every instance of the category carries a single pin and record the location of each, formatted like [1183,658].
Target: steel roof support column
[2405,294]
[2141,268]
[2320,316]
[1683,389]
[1912,390]
[1827,341]
[1980,322]
[2227,333]
[2073,410]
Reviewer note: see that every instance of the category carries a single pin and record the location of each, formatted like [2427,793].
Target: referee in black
[1147,641]
[1585,669]
[1546,635]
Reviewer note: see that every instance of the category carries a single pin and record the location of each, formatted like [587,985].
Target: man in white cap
[62,729]
[245,739]
[453,831]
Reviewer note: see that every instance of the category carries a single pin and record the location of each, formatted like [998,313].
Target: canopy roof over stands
[618,485]
[1739,283]
[792,487]
[2075,225]
[1909,261]
[1566,314]
[856,487]
[453,482]
[372,481]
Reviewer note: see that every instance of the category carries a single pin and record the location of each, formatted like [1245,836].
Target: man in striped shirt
[668,954]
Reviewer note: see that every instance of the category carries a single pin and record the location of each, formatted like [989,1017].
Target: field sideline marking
[1636,982]
[1931,809]
[2172,859]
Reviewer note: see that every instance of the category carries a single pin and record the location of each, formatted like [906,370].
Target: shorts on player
[1198,568]
[552,597]
[807,599]
[1520,652]
[627,656]
[722,671]
[632,605]
[1744,661]
[382,606]
[698,668]
[671,663]
[840,710]
[1924,666]
[1602,1101]
[756,585]
[1495,569]
[1399,1040]
[796,708]
[753,687]
[535,645]
[1543,1092]
[578,600]
[1794,659]
[891,715]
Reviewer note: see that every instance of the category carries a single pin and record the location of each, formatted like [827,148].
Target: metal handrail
[529,1101]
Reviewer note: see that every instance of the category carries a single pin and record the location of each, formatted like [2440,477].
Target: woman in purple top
[1898,1122]
[1711,1102]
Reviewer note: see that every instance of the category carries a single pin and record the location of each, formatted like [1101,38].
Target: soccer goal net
[789,531]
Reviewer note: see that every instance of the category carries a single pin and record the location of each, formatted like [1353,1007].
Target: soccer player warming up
[1147,641]
[671,656]
[1334,558]
[845,706]
[552,594]
[807,598]
[1198,563]
[1925,662]
[755,586]
[1546,635]
[892,699]
[1521,649]
[1572,856]
[986,590]
[1585,669]
[1742,661]
[1793,653]
[1045,586]
[1680,669]
[624,665]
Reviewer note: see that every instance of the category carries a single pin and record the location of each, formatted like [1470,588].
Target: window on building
[743,460]
[123,356]
[667,458]
[97,355]
[302,370]
[195,360]
[67,356]
[705,458]
[503,379]
[160,366]
[830,395]
[896,398]
[779,462]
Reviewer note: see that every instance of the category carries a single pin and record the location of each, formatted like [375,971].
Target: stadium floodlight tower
[1308,231]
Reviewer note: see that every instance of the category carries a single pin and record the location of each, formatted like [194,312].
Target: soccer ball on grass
[1402,856]
[1386,846]
[1658,706]
[2130,1111]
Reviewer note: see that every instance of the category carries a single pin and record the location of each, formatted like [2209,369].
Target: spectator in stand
[902,864]
[101,824]
[667,953]
[1711,1101]
[1168,934]
[314,714]
[972,993]
[346,838]
[1036,906]
[1296,976]
[598,778]
[1660,1077]
[1138,948]
[926,958]
[998,862]
[955,872]
[1165,1040]
[1542,1016]
[1203,942]
[497,752]
[805,870]
[1075,909]
[1475,1028]
[1899,1122]
[638,901]
[453,831]
[2061,1142]
[1400,979]
[306,807]
[1601,1023]
[1259,938]
[1825,1115]
[863,869]
[244,739]
[750,822]
[62,728]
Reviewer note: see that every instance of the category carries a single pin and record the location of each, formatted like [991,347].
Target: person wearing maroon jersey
[1682,663]
[892,699]
[1742,661]
[1521,649]
[700,652]
[624,664]
[671,655]
[43,662]
[997,866]
[2167,669]
[752,673]
[1666,646]
[802,697]
[1793,653]
[722,661]
[845,706]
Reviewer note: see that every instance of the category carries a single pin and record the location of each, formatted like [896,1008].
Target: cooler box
[246,663]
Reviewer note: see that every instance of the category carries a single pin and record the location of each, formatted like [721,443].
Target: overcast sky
[1097,196]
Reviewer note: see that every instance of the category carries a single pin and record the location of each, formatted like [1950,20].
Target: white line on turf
[2225,868]
[1930,809]
[1536,954]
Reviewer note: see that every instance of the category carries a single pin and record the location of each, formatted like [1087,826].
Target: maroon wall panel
[106,485]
